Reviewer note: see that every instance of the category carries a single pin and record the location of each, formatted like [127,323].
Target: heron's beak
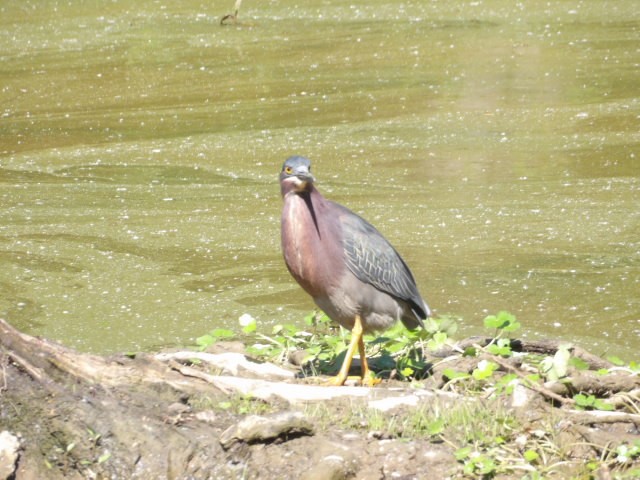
[304,175]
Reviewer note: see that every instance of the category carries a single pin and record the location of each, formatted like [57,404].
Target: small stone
[298,357]
[225,346]
[331,467]
[259,429]
[9,447]
[178,408]
[521,396]
[208,416]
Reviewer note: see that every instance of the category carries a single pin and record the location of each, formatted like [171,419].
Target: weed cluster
[488,439]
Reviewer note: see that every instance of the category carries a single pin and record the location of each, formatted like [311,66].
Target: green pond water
[495,143]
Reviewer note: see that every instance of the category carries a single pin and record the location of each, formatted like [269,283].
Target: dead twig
[533,386]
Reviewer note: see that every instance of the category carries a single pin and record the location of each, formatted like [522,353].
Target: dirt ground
[78,416]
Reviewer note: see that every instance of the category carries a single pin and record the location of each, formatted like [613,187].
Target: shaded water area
[495,143]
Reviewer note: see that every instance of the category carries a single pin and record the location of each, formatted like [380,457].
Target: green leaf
[615,360]
[438,341]
[248,323]
[491,322]
[452,374]
[310,318]
[583,400]
[249,328]
[603,405]
[448,325]
[530,456]
[463,453]
[503,321]
[507,383]
[432,325]
[470,352]
[407,372]
[436,427]
[484,465]
[104,457]
[221,333]
[590,401]
[205,340]
[533,377]
[509,323]
[502,347]
[484,370]
[593,465]
[578,363]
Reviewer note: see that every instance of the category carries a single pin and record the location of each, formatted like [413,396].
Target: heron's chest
[311,245]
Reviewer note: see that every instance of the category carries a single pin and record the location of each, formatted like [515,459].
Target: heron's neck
[289,189]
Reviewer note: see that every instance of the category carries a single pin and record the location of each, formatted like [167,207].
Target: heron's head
[295,175]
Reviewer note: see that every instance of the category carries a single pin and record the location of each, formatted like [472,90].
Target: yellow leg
[356,341]
[368,379]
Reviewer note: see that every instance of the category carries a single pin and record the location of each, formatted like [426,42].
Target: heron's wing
[372,259]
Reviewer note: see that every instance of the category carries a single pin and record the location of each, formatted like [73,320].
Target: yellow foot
[369,381]
[335,381]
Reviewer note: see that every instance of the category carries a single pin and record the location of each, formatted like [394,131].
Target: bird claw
[370,381]
[336,381]
[366,381]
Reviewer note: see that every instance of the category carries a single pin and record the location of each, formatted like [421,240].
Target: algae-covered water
[495,143]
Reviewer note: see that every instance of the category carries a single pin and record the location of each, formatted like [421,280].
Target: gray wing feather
[373,260]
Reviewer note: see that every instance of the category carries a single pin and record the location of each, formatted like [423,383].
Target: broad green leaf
[578,363]
[205,341]
[530,455]
[484,370]
[463,453]
[602,405]
[436,427]
[221,333]
[407,372]
[438,341]
[615,360]
[491,322]
[583,400]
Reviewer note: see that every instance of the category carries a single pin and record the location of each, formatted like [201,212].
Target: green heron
[350,270]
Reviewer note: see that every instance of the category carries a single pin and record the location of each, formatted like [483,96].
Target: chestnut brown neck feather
[307,197]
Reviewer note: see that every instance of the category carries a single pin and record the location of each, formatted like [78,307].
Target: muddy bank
[221,415]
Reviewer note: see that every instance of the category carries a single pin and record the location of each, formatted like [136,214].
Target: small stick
[232,17]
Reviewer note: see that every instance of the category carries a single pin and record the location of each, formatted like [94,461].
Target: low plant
[398,350]
[400,353]
[488,439]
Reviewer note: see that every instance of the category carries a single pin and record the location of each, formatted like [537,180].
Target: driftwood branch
[545,347]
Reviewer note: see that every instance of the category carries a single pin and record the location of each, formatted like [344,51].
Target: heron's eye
[288,170]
